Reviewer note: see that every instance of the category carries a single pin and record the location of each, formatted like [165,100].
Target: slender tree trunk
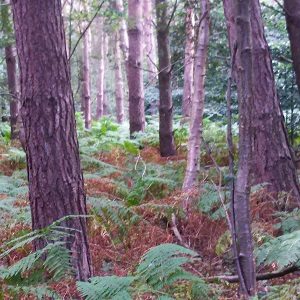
[194,142]
[188,61]
[100,94]
[124,43]
[105,98]
[166,137]
[135,73]
[86,89]
[119,85]
[56,185]
[246,98]
[11,67]
[149,40]
[273,159]
[292,15]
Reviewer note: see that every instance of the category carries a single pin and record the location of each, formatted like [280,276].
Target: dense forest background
[149,149]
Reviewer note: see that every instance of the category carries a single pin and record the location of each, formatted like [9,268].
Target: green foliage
[159,268]
[5,133]
[283,250]
[289,221]
[106,288]
[210,203]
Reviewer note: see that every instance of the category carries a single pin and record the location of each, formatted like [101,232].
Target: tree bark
[188,82]
[56,185]
[241,211]
[166,136]
[292,15]
[100,94]
[119,85]
[149,40]
[135,74]
[11,68]
[194,142]
[273,159]
[86,89]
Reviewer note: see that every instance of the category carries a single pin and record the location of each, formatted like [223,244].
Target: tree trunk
[188,61]
[292,15]
[56,185]
[86,89]
[149,40]
[273,160]
[11,67]
[166,136]
[124,43]
[100,94]
[135,74]
[245,82]
[105,98]
[194,142]
[119,85]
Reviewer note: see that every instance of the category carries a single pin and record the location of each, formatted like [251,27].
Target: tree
[272,157]
[195,136]
[135,73]
[100,94]
[166,136]
[246,98]
[11,67]
[149,48]
[188,60]
[292,15]
[86,89]
[119,85]
[56,185]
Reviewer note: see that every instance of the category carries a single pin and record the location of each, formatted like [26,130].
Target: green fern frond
[58,261]
[106,288]
[41,292]
[162,265]
[283,250]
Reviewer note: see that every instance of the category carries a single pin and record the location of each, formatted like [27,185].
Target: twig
[86,28]
[263,276]
[172,14]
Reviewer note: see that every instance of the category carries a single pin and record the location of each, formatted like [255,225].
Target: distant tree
[134,65]
[272,158]
[11,68]
[292,15]
[188,82]
[100,93]
[149,41]
[197,108]
[55,179]
[119,83]
[86,89]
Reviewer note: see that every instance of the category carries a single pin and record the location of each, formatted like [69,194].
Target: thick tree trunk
[272,161]
[194,142]
[135,73]
[245,82]
[55,180]
[166,136]
[86,88]
[119,85]
[292,15]
[100,94]
[188,82]
[149,40]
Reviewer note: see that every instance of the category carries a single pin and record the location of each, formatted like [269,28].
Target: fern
[283,250]
[290,221]
[162,265]
[109,287]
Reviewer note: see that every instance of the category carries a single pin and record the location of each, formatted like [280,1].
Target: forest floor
[151,187]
